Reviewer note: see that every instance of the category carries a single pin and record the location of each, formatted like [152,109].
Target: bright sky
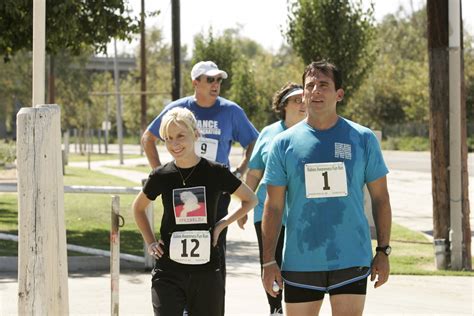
[260,20]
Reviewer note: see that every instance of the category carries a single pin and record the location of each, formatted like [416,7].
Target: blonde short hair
[178,115]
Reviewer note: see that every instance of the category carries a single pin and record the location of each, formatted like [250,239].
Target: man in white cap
[220,122]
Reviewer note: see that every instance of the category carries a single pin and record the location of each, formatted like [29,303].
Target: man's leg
[349,299]
[347,304]
[302,302]
[303,309]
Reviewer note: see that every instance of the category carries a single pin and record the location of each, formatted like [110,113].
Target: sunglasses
[212,79]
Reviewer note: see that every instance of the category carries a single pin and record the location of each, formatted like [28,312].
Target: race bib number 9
[206,148]
[324,180]
[191,247]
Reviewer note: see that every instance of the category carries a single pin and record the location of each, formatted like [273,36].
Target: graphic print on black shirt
[190,205]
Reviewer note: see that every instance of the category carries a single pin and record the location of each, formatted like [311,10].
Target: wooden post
[115,256]
[42,256]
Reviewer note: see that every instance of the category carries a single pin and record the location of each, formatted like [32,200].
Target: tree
[336,30]
[243,90]
[220,50]
[74,25]
[396,92]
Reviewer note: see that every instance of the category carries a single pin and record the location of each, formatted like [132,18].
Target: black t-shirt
[189,208]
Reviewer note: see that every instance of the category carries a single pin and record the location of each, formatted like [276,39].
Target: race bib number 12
[191,247]
[324,180]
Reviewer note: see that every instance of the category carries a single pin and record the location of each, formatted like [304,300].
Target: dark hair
[327,68]
[278,106]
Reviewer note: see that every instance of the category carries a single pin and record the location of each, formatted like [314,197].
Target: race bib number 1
[206,147]
[191,247]
[323,180]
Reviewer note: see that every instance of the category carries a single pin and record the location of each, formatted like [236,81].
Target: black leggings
[274,302]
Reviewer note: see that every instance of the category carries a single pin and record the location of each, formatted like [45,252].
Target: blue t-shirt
[258,161]
[325,233]
[225,122]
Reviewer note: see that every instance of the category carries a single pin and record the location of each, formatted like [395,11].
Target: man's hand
[270,275]
[380,269]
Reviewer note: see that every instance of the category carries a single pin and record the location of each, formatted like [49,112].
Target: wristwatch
[386,250]
[237,173]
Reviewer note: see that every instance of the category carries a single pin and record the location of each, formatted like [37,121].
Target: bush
[407,143]
[416,143]
[7,152]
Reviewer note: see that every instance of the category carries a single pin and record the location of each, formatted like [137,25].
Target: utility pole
[143,120]
[447,134]
[439,113]
[176,40]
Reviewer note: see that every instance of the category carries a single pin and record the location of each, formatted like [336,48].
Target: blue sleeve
[256,160]
[275,171]
[154,126]
[243,130]
[375,167]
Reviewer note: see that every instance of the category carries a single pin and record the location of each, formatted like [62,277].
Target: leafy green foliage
[73,25]
[396,91]
[407,143]
[221,50]
[243,87]
[7,152]
[336,30]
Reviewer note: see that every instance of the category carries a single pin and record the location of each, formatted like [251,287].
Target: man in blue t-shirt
[321,165]
[220,121]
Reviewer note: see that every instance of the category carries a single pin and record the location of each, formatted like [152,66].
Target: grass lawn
[99,157]
[83,176]
[139,168]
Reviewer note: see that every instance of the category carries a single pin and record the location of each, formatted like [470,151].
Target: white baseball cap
[207,68]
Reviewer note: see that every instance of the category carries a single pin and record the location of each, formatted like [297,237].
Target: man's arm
[242,167]
[148,141]
[252,179]
[271,226]
[382,213]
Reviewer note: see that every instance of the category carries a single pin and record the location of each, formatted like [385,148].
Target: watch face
[386,250]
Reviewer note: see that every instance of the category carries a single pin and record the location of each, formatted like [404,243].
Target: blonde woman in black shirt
[186,272]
